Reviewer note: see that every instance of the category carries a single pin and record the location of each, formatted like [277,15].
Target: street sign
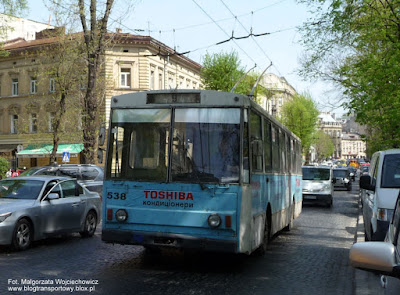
[65,157]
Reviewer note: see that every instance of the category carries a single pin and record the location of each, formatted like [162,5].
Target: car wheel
[22,236]
[90,225]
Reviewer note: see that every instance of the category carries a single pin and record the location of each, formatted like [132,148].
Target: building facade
[132,63]
[353,147]
[279,92]
[328,124]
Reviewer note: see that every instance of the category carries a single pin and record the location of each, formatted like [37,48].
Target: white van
[318,185]
[379,191]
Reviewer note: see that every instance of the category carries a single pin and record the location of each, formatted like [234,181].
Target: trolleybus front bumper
[160,239]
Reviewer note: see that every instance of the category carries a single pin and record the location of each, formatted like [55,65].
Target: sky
[198,25]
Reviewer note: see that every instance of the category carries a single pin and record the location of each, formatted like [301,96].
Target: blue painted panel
[177,208]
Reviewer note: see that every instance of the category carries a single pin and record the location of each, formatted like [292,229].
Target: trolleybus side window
[275,149]
[282,151]
[206,145]
[267,146]
[256,142]
[139,144]
[246,168]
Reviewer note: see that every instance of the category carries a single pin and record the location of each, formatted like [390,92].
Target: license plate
[310,197]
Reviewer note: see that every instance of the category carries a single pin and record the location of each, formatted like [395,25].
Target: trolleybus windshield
[205,145]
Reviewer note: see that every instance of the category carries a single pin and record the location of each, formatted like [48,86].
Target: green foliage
[300,115]
[356,44]
[323,144]
[4,166]
[221,71]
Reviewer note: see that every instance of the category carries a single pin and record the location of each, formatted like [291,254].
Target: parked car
[342,178]
[318,185]
[88,175]
[35,207]
[382,257]
[379,190]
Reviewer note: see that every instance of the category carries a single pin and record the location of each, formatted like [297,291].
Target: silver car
[35,207]
[382,257]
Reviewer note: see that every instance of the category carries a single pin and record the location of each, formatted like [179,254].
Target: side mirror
[334,180]
[365,183]
[374,256]
[102,135]
[53,196]
[100,153]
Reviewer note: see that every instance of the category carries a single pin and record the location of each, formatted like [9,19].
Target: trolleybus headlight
[214,220]
[121,215]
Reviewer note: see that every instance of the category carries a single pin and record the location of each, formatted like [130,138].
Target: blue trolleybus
[198,169]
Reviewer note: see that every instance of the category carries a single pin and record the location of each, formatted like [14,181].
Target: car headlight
[214,220]
[121,215]
[4,216]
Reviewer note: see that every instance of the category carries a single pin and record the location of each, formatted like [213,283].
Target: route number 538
[116,196]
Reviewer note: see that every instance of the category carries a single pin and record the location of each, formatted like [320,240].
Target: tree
[65,68]
[4,166]
[94,30]
[9,8]
[221,71]
[323,145]
[356,44]
[300,115]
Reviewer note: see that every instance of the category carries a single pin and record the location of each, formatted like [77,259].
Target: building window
[33,85]
[151,80]
[14,124]
[160,81]
[51,121]
[52,85]
[125,78]
[14,87]
[33,121]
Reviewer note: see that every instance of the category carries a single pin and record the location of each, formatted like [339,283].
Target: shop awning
[6,148]
[41,151]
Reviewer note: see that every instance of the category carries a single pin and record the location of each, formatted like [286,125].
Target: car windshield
[20,189]
[316,174]
[391,171]
[340,173]
[30,172]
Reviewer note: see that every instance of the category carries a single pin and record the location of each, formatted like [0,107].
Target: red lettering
[170,195]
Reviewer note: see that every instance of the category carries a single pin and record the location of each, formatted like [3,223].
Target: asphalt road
[310,259]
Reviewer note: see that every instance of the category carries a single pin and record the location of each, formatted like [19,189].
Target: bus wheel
[266,238]
[290,225]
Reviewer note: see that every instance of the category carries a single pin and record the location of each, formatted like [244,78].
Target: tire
[266,238]
[365,236]
[23,235]
[90,225]
[290,225]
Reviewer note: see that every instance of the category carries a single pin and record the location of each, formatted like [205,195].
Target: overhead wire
[209,16]
[251,35]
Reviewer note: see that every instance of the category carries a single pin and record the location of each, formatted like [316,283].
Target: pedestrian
[14,173]
[9,173]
